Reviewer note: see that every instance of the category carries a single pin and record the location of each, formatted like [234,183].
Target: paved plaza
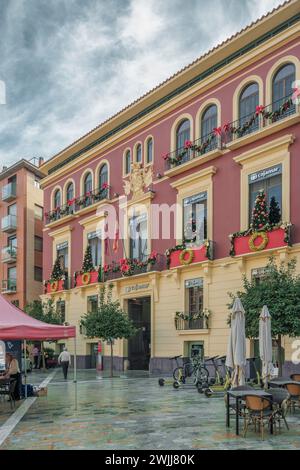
[130,412]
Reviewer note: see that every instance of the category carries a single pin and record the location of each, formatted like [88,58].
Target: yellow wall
[167,296]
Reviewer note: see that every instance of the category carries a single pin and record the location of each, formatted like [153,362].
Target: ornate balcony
[192,150]
[9,192]
[133,268]
[9,254]
[186,322]
[9,223]
[264,116]
[75,205]
[9,286]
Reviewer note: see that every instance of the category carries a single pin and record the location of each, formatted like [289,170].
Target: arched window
[282,82]
[88,183]
[209,120]
[57,199]
[282,88]
[70,192]
[183,133]
[127,162]
[138,153]
[249,99]
[149,156]
[103,177]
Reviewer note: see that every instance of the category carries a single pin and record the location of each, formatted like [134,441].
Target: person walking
[65,360]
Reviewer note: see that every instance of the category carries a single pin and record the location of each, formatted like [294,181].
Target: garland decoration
[265,239]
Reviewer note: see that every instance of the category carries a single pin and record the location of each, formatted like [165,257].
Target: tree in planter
[279,289]
[108,323]
[87,265]
[57,272]
[274,212]
[46,312]
[260,215]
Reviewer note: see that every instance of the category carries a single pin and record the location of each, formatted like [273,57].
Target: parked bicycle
[191,372]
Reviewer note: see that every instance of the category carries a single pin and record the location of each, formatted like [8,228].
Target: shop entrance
[139,311]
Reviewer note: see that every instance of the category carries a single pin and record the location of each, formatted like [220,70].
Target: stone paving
[133,412]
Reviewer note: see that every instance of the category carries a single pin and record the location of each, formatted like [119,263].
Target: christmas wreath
[262,245]
[186,257]
[85,279]
[53,286]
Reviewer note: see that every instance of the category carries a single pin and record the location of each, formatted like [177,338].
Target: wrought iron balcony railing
[114,271]
[9,254]
[9,223]
[191,324]
[77,204]
[9,286]
[263,116]
[9,192]
[194,149]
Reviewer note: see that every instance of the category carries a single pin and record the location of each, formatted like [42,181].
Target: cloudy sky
[69,64]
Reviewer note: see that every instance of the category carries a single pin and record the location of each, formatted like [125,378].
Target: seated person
[13,372]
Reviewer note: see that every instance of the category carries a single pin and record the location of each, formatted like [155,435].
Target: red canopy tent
[15,324]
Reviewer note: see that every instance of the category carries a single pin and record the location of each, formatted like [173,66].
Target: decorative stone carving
[139,179]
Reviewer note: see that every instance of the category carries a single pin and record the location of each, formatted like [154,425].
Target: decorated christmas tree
[260,215]
[57,272]
[88,265]
[274,212]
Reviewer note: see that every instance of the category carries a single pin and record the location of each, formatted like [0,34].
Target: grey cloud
[70,64]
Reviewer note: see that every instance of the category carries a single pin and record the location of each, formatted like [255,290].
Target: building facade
[21,232]
[196,150]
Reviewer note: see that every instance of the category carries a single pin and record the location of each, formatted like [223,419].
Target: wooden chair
[294,391]
[259,412]
[295,377]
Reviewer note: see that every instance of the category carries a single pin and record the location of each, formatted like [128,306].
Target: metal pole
[25,368]
[75,373]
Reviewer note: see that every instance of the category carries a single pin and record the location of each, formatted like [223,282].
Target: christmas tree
[87,265]
[274,212]
[259,214]
[57,272]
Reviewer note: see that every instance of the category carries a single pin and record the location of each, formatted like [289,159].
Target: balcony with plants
[127,267]
[9,286]
[59,280]
[192,321]
[266,230]
[9,254]
[75,205]
[230,135]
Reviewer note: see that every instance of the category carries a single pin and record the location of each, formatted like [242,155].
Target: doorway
[139,346]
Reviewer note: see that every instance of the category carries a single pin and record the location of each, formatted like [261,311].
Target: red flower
[106,268]
[122,261]
[166,156]
[153,255]
[70,202]
[259,109]
[188,144]
[125,268]
[226,127]
[105,186]
[217,130]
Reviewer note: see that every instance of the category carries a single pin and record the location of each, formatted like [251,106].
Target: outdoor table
[238,395]
[282,382]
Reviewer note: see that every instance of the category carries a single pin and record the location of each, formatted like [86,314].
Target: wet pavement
[132,412]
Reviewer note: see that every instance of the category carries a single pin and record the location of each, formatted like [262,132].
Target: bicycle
[193,369]
[219,383]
